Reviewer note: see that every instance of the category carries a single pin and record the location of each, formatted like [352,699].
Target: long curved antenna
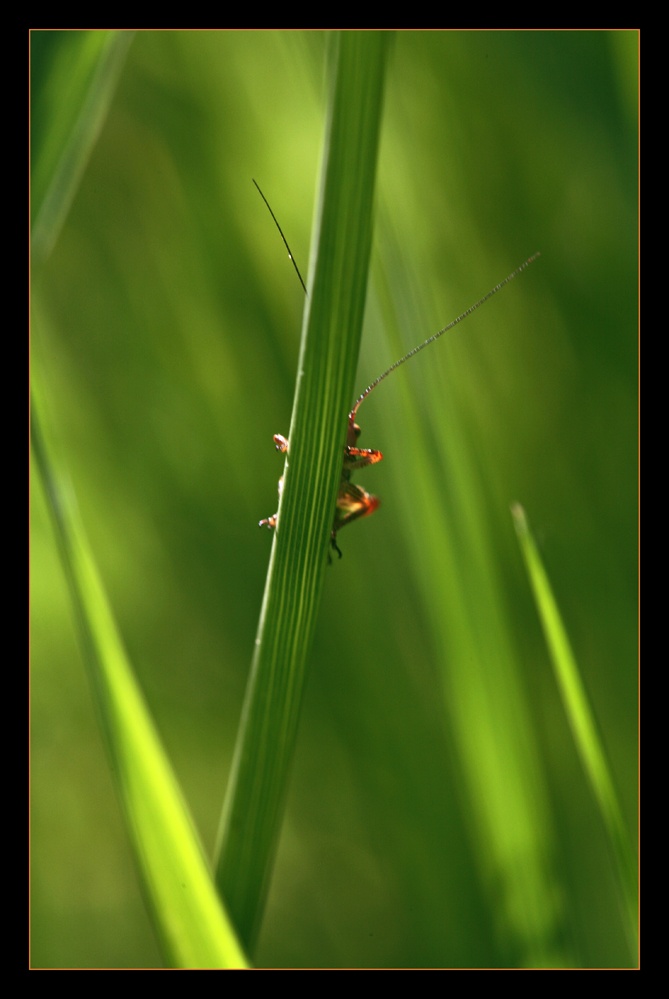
[435,336]
[425,343]
[285,241]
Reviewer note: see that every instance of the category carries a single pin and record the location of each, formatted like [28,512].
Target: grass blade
[328,358]
[581,720]
[193,927]
[81,68]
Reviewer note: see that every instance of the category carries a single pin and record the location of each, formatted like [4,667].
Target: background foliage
[166,322]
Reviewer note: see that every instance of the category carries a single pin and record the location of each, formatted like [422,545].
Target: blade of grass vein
[190,921]
[332,326]
[581,720]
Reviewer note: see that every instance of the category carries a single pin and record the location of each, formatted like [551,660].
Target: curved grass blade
[192,925]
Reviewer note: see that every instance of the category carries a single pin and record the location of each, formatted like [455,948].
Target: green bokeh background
[165,326]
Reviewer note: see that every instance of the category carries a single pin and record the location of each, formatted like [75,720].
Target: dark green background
[166,325]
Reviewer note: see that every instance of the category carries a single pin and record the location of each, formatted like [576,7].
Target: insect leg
[281,444]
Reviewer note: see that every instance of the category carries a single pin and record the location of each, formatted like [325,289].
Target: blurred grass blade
[79,70]
[581,720]
[331,332]
[450,539]
[193,927]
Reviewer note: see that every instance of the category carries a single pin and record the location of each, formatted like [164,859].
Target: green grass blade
[448,524]
[193,927]
[581,720]
[328,359]
[73,77]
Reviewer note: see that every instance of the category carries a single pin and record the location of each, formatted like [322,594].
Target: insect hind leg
[335,547]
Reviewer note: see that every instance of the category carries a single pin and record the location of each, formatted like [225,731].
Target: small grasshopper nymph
[353,501]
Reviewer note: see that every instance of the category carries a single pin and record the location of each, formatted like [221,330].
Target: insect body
[354,502]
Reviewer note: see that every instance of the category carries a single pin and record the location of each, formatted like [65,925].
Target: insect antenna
[425,343]
[285,241]
[435,336]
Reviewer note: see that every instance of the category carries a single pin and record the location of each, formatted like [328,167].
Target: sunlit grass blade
[328,358]
[73,78]
[581,720]
[191,923]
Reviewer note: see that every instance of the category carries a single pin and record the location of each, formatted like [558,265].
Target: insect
[354,502]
